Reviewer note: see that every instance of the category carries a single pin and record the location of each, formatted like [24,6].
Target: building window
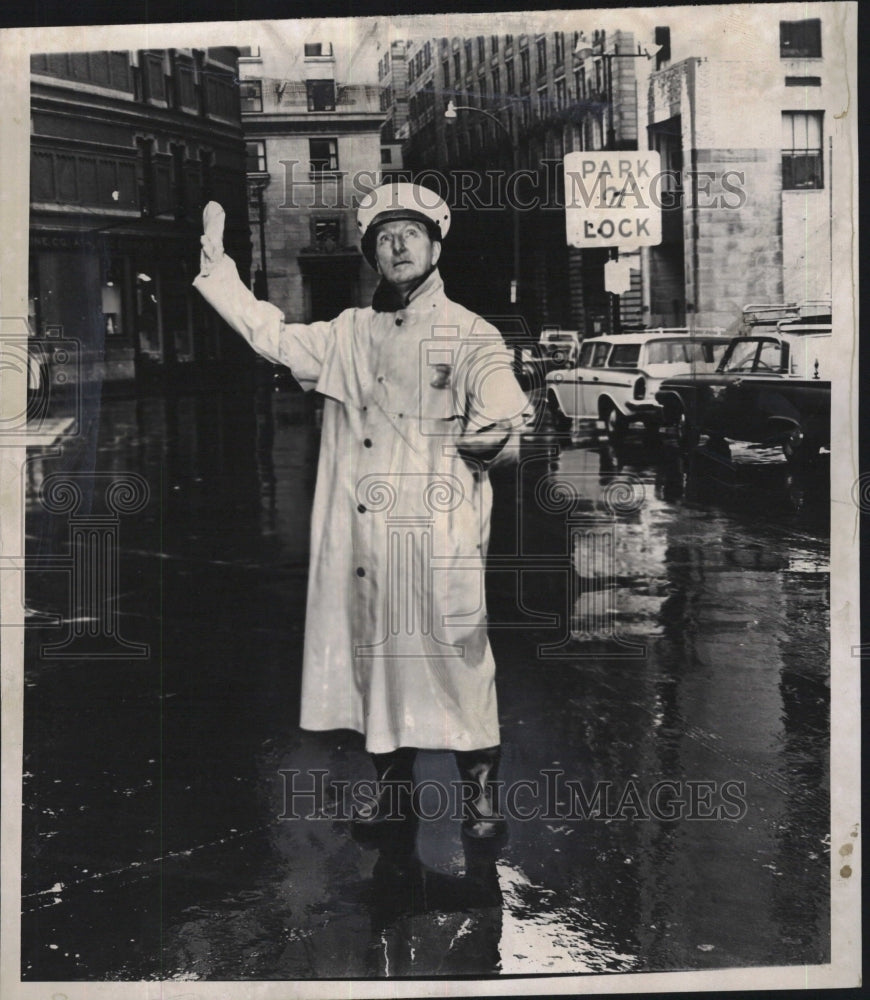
[481,48]
[251,52]
[541,45]
[457,67]
[508,41]
[580,83]
[323,154]
[410,70]
[509,76]
[800,39]
[468,55]
[445,72]
[493,44]
[524,66]
[418,64]
[179,182]
[559,48]
[314,50]
[145,176]
[543,103]
[326,234]
[252,96]
[427,55]
[524,111]
[254,197]
[802,150]
[496,83]
[561,94]
[255,157]
[599,76]
[386,154]
[482,83]
[321,95]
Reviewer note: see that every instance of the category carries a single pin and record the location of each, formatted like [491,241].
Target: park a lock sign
[612,199]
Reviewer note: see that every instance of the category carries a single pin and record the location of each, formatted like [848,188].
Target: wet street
[661,633]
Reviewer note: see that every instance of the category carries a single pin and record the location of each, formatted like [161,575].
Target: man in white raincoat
[419,397]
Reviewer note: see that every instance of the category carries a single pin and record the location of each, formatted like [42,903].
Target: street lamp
[451,116]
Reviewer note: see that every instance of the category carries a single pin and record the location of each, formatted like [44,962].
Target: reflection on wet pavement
[681,673]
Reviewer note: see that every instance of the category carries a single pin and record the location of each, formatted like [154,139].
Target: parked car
[557,349]
[616,376]
[770,388]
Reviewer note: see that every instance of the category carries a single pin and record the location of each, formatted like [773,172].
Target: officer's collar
[388,298]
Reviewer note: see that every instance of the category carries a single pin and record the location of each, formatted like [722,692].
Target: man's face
[405,252]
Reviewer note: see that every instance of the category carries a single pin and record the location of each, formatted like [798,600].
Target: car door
[567,385]
[739,408]
[590,387]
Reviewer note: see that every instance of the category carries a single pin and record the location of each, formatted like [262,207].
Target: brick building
[746,131]
[312,117]
[126,149]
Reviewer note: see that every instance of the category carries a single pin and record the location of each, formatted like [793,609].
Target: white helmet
[396,201]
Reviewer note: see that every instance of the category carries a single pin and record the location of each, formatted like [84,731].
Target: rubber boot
[392,797]
[479,770]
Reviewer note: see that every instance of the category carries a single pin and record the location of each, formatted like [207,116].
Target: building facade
[749,204]
[522,102]
[126,149]
[312,116]
[393,97]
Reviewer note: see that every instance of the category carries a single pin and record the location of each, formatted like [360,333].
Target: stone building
[746,134]
[312,117]
[126,148]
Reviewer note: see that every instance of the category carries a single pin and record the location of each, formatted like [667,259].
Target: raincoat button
[360,571]
[398,321]
[361,508]
[368,442]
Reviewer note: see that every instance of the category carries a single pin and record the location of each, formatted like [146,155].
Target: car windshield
[683,352]
[753,354]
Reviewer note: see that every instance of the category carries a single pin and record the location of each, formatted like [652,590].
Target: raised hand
[212,240]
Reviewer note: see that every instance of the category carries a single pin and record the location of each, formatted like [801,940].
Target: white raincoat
[395,637]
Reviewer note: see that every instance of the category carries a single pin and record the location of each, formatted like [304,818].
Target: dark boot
[392,795]
[479,770]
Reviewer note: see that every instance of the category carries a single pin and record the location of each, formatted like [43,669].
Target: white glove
[218,281]
[212,240]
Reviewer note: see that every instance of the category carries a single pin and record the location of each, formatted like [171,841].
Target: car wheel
[561,423]
[799,450]
[615,424]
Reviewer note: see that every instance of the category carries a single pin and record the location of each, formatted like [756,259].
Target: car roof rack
[777,313]
[707,331]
